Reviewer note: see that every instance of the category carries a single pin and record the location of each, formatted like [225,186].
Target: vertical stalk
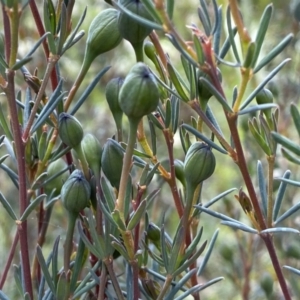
[20,156]
[68,246]
[271,161]
[133,125]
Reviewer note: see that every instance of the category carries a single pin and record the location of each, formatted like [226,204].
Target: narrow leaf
[199,135]
[262,186]
[208,253]
[280,230]
[44,268]
[280,194]
[238,225]
[216,93]
[231,35]
[288,213]
[137,216]
[287,143]
[8,207]
[30,208]
[263,83]
[255,108]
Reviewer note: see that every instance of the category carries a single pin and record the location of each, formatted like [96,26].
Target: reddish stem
[9,260]
[20,156]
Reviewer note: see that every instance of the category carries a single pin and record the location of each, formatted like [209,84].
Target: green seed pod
[179,171]
[112,162]
[76,192]
[70,130]
[112,91]
[57,182]
[265,96]
[150,51]
[199,163]
[153,233]
[103,34]
[92,150]
[139,95]
[129,28]
[267,283]
[227,252]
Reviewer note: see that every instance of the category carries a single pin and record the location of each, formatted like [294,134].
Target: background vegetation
[239,257]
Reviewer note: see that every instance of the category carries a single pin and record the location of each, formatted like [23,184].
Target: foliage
[137,224]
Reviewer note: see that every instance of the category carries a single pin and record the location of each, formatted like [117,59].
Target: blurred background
[232,247]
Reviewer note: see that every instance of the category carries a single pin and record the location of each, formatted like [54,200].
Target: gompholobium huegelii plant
[195,138]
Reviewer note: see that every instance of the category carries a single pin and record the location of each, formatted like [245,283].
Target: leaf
[45,270]
[199,135]
[262,29]
[208,252]
[280,230]
[254,108]
[8,207]
[216,93]
[231,35]
[293,270]
[262,186]
[240,226]
[280,194]
[296,117]
[274,52]
[263,83]
[287,143]
[198,288]
[137,215]
[288,213]
[32,206]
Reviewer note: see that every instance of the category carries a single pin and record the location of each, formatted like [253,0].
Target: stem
[172,179]
[120,203]
[41,30]
[109,265]
[14,17]
[155,40]
[271,161]
[9,260]
[246,76]
[52,61]
[9,90]
[241,162]
[103,280]
[165,288]
[139,51]
[7,34]
[267,238]
[68,246]
[82,159]
[84,68]
[243,33]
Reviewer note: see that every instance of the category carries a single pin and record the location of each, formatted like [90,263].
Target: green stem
[84,164]
[133,125]
[165,288]
[68,246]
[271,161]
[139,51]
[84,68]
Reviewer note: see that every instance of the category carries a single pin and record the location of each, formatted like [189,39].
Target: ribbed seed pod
[112,162]
[139,94]
[103,34]
[112,92]
[129,28]
[92,150]
[56,183]
[199,163]
[70,130]
[76,192]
